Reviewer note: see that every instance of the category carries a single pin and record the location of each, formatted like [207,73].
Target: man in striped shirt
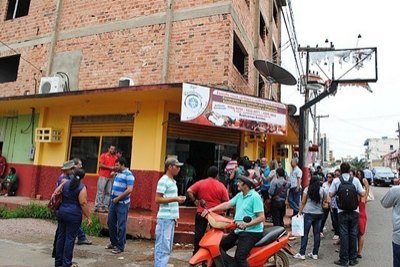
[119,207]
[168,213]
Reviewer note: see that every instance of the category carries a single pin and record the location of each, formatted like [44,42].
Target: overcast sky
[354,113]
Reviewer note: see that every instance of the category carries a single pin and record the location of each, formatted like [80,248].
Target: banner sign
[213,107]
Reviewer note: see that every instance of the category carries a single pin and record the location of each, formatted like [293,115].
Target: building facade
[377,148]
[77,76]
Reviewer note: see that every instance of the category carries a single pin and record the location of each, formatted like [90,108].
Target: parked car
[383,176]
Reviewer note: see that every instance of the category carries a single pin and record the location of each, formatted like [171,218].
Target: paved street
[27,246]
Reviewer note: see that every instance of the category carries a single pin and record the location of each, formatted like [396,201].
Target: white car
[383,176]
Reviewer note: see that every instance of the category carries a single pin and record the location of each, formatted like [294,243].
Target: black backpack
[347,196]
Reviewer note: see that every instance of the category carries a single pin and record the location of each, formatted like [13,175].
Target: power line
[16,52]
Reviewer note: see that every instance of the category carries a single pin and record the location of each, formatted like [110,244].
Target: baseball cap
[173,161]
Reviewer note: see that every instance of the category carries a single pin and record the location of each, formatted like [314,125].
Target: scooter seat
[270,235]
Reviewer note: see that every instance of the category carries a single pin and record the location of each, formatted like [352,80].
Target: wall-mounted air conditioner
[50,85]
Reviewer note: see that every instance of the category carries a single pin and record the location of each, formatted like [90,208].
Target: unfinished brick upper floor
[127,39]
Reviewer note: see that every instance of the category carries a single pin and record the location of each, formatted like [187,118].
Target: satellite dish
[292,109]
[274,73]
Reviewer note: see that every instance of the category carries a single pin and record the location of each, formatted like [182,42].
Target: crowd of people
[259,189]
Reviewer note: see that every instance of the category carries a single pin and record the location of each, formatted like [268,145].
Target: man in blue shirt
[119,207]
[248,203]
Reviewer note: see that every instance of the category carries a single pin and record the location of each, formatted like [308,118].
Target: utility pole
[319,138]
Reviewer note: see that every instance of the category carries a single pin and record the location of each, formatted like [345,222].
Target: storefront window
[87,148]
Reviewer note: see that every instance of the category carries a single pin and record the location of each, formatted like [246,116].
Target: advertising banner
[213,107]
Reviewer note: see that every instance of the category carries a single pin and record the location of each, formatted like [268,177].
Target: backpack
[347,196]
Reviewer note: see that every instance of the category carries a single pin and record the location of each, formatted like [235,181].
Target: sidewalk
[141,223]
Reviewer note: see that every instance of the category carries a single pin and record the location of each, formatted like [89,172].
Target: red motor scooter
[266,252]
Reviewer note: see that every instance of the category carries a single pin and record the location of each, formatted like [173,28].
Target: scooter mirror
[247,219]
[202,203]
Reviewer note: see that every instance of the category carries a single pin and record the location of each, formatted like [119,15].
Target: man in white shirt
[295,186]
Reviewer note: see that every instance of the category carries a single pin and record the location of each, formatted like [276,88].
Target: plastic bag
[298,225]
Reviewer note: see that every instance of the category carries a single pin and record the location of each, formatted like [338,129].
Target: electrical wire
[16,52]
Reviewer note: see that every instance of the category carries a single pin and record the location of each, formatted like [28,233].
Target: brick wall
[201,48]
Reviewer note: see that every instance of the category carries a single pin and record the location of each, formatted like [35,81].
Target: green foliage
[32,210]
[358,164]
[93,229]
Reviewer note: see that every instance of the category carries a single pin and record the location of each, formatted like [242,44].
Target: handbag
[325,204]
[56,198]
[298,225]
[267,205]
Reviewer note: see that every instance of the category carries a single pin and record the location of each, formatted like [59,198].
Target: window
[391,147]
[261,87]
[263,28]
[9,68]
[240,57]
[17,8]
[274,54]
[275,14]
[88,149]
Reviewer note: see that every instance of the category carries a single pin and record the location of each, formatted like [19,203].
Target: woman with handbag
[278,192]
[326,204]
[69,217]
[311,207]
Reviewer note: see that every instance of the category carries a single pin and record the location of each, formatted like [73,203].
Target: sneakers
[312,256]
[110,246]
[321,235]
[340,263]
[116,251]
[353,262]
[299,256]
[84,242]
[335,237]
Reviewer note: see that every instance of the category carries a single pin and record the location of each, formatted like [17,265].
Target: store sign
[213,107]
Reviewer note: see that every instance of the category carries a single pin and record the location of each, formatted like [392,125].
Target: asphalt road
[26,245]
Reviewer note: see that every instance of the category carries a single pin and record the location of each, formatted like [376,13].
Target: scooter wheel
[280,259]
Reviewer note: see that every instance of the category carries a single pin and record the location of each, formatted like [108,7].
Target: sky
[354,113]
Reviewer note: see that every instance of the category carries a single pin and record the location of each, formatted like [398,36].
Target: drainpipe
[54,37]
[167,41]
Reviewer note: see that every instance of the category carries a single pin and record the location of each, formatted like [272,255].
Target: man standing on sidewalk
[392,200]
[295,186]
[119,207]
[106,166]
[168,212]
[213,192]
[346,188]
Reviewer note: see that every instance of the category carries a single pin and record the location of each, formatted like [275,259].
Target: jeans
[348,229]
[278,209]
[294,200]
[67,232]
[313,220]
[396,254]
[335,220]
[103,193]
[164,239]
[244,242]
[81,237]
[200,227]
[116,222]
[324,218]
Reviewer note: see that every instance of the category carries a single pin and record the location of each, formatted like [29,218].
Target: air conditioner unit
[50,85]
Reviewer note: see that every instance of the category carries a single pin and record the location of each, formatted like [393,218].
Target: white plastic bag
[298,225]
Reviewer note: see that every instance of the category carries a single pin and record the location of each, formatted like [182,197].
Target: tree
[358,164]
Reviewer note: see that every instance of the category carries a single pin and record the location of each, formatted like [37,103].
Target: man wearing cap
[104,183]
[168,212]
[248,203]
[213,192]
